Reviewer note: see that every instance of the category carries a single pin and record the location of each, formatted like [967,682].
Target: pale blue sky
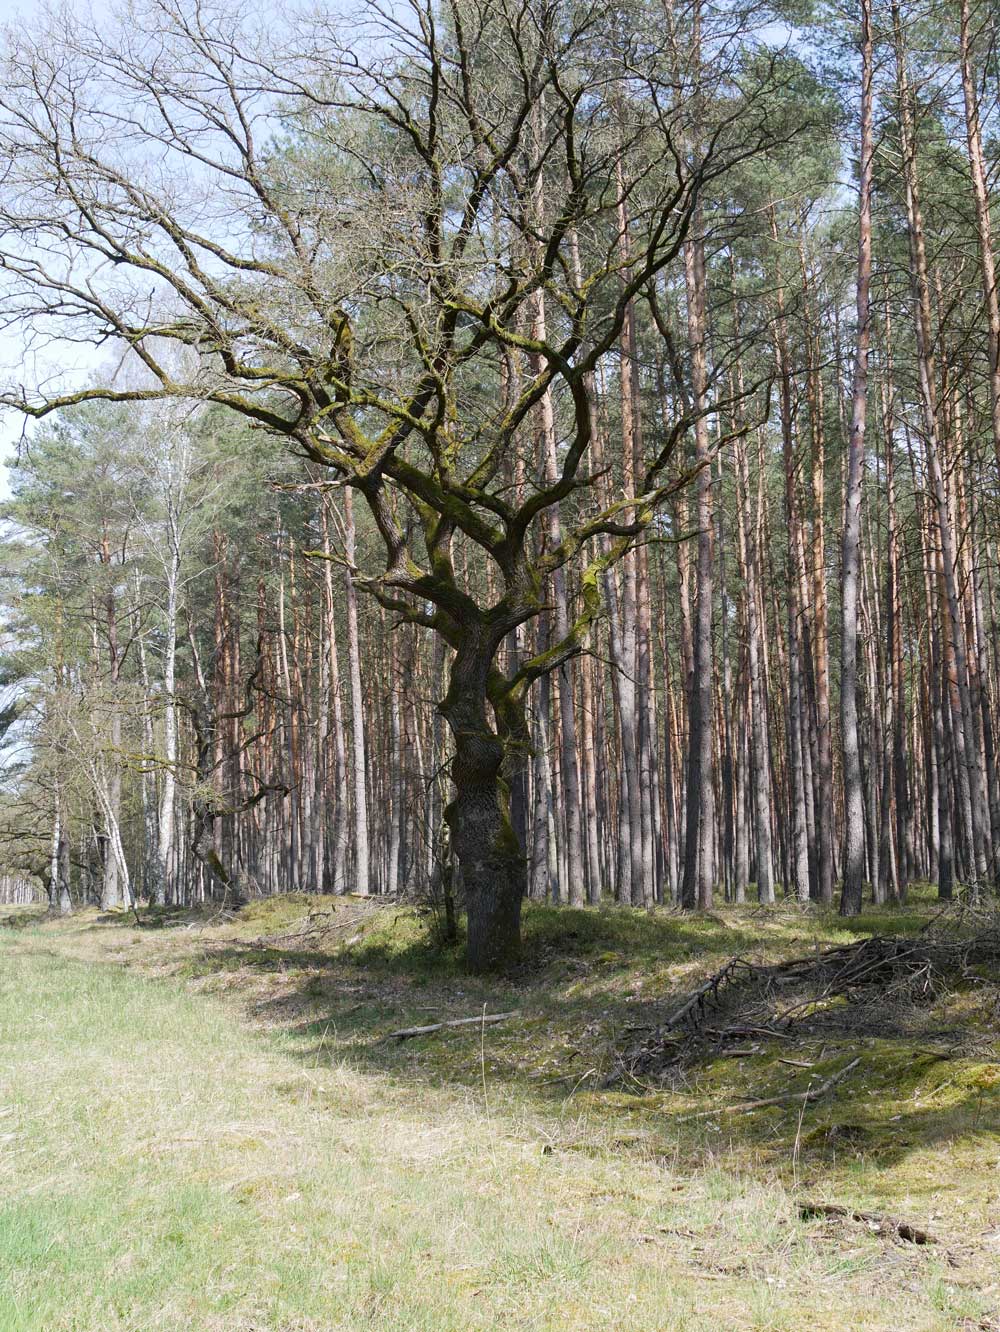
[70,364]
[77,362]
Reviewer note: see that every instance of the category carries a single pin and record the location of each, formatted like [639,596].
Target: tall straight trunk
[362,870]
[266,760]
[984,226]
[893,843]
[60,901]
[741,840]
[799,884]
[147,787]
[648,884]
[941,820]
[111,889]
[875,752]
[54,854]
[760,764]
[894,630]
[669,793]
[220,687]
[799,787]
[437,853]
[971,777]
[291,838]
[645,740]
[820,637]
[574,888]
[754,748]
[984,709]
[938,800]
[109,792]
[698,858]
[65,871]
[625,649]
[395,773]
[854,815]
[726,711]
[334,705]
[589,756]
[592,755]
[166,830]
[303,769]
[107,786]
[544,860]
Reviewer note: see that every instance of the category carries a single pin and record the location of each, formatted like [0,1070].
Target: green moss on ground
[562,1190]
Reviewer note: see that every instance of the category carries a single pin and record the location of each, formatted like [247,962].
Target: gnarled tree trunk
[494,869]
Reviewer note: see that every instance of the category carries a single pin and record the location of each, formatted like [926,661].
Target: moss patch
[563,1198]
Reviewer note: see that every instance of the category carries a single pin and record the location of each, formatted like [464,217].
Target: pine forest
[529,469]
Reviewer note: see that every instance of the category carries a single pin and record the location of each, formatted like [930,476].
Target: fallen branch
[708,991]
[478,1020]
[724,1033]
[796,1098]
[883,1224]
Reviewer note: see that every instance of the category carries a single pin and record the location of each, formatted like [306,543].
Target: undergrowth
[211,1125]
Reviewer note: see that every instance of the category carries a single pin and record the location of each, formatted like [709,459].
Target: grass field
[203,1126]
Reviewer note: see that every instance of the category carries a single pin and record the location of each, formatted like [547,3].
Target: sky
[60,358]
[70,364]
[69,361]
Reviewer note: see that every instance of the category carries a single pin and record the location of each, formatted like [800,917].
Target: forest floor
[207,1124]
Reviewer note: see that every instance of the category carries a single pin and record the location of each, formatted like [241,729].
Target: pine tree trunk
[984,226]
[821,650]
[362,869]
[573,889]
[854,816]
[971,780]
[698,858]
[335,707]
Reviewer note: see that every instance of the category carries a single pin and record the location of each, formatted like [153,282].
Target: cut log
[481,1019]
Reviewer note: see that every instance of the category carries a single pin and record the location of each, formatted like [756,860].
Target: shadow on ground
[334,978]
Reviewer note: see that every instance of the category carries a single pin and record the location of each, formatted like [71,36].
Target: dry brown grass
[210,1131]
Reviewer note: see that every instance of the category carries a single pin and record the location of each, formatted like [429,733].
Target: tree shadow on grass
[588,979]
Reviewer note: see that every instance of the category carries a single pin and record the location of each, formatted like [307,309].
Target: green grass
[202,1126]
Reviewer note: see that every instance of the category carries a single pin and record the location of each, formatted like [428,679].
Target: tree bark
[493,865]
[362,869]
[854,816]
[971,781]
[698,859]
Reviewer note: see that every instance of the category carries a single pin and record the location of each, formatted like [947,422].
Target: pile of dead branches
[750,999]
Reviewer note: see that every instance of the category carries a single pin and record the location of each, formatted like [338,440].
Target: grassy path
[164,1165]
